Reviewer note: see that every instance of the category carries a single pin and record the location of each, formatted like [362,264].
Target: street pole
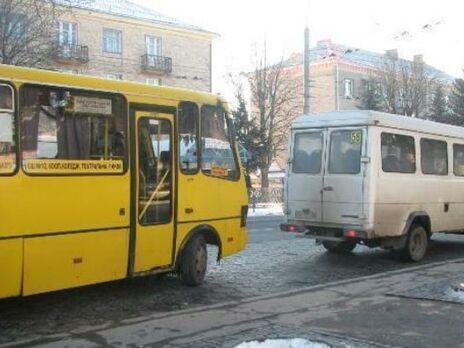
[306,108]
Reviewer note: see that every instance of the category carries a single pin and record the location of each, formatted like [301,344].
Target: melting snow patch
[282,343]
[266,210]
[457,292]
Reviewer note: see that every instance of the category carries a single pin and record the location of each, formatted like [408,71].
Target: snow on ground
[289,343]
[457,292]
[266,209]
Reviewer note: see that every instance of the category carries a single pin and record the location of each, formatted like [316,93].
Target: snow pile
[271,209]
[281,343]
[457,292]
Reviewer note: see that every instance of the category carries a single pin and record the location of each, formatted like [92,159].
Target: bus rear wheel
[194,261]
[343,247]
[416,244]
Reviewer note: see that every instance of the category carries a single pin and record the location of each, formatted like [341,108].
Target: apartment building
[119,39]
[340,73]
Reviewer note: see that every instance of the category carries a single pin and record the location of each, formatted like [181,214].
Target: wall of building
[190,51]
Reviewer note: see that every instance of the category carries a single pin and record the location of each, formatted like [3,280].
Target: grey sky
[431,28]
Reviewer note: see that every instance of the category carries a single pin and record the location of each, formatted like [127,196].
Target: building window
[153,46]
[114,76]
[69,71]
[67,33]
[153,81]
[15,26]
[348,86]
[112,41]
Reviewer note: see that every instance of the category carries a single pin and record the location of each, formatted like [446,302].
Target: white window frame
[153,45]
[112,76]
[153,81]
[112,41]
[71,33]
[69,71]
[348,92]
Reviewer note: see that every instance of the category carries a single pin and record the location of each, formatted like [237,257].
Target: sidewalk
[374,311]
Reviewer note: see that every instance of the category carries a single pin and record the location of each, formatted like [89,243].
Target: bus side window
[434,157]
[217,155]
[155,177]
[458,151]
[7,130]
[188,135]
[398,153]
[65,125]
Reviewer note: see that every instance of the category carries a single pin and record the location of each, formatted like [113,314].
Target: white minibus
[371,178]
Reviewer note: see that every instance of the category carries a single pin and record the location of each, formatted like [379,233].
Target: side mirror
[248,180]
[231,128]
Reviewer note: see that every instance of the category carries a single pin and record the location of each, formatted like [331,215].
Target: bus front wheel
[343,247]
[194,261]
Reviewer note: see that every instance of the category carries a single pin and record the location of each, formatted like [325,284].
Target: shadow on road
[264,268]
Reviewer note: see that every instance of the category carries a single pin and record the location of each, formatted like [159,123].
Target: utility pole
[306,72]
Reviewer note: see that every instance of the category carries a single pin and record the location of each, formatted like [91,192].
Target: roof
[128,9]
[326,49]
[47,77]
[365,118]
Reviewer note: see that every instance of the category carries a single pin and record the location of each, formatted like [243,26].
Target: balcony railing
[67,52]
[157,63]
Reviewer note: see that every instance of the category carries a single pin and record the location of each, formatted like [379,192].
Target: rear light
[291,228]
[351,234]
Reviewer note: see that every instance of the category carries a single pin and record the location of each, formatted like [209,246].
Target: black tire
[194,261]
[417,244]
[344,247]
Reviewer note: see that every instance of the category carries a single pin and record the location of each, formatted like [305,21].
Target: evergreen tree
[371,97]
[246,132]
[457,102]
[439,110]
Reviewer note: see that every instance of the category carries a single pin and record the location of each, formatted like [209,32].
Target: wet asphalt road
[273,262]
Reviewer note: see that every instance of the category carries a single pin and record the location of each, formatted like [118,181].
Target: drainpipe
[306,72]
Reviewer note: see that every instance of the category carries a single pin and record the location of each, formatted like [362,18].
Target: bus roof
[362,117]
[54,78]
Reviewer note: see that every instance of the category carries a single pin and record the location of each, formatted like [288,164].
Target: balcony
[158,64]
[67,53]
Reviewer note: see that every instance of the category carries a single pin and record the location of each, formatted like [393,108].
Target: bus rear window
[345,152]
[307,153]
[68,132]
[7,131]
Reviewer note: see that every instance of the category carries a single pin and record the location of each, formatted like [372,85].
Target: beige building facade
[118,39]
[339,74]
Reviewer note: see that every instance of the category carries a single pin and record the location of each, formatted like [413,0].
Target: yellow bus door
[153,191]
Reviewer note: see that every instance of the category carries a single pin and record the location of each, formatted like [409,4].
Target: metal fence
[266,195]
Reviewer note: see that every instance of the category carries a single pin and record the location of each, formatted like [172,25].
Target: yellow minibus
[102,180]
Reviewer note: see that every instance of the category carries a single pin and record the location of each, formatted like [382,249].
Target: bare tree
[273,96]
[406,85]
[27,30]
